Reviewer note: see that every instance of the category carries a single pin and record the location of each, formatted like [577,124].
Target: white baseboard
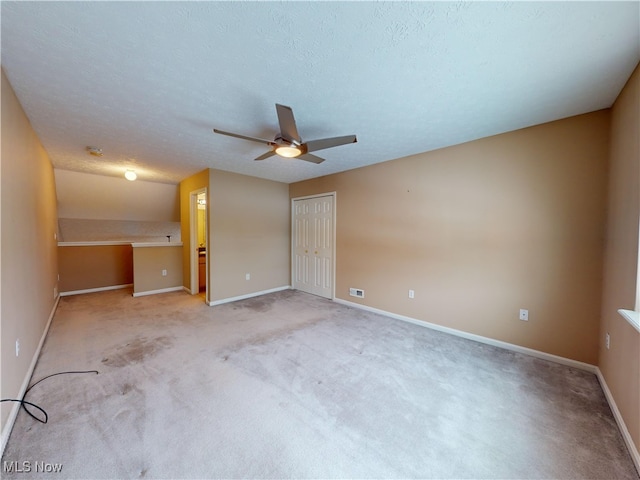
[633,450]
[6,431]
[93,290]
[477,338]
[248,295]
[161,290]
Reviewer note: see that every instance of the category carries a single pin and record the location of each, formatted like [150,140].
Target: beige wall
[480,230]
[83,195]
[620,365]
[87,267]
[249,228]
[148,263]
[191,184]
[248,232]
[28,272]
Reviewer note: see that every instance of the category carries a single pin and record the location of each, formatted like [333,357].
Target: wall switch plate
[607,340]
[524,314]
[247,276]
[411,294]
[164,273]
[18,347]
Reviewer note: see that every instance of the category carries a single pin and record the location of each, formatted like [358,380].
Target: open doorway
[199,243]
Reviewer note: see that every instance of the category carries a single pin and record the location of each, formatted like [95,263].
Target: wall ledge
[156,244]
[92,244]
[632,317]
[119,242]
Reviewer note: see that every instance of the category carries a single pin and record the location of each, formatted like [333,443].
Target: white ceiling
[147,81]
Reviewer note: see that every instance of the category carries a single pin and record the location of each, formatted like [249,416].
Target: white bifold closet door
[313,247]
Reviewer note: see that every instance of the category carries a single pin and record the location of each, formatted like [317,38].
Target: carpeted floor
[289,385]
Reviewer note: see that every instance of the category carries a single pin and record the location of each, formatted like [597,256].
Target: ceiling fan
[288,143]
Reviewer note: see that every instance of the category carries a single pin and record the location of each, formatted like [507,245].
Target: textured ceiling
[147,81]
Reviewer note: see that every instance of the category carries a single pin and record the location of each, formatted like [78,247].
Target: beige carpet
[289,385]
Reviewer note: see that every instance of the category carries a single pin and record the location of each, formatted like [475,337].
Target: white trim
[637,305]
[633,450]
[160,290]
[316,195]
[93,290]
[477,338]
[248,295]
[334,212]
[13,414]
[194,264]
[632,317]
[631,447]
[92,244]
[119,242]
[156,244]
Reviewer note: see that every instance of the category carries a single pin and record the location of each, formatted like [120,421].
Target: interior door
[313,245]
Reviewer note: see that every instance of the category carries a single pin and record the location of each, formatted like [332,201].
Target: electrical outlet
[55,292]
[164,273]
[247,276]
[411,294]
[524,314]
[607,340]
[17,347]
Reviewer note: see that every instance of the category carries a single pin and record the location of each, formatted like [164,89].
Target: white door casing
[313,244]
[193,243]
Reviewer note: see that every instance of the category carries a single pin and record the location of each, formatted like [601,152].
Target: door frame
[333,240]
[193,242]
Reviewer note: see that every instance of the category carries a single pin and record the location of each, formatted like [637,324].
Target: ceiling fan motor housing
[286,142]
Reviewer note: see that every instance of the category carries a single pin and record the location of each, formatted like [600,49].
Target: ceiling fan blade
[270,153]
[323,143]
[310,158]
[287,123]
[244,137]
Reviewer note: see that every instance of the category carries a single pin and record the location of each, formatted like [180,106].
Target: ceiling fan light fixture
[288,151]
[288,143]
[130,175]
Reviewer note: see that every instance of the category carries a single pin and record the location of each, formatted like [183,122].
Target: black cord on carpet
[24,403]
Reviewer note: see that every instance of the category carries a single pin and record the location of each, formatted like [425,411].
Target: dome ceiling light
[95,151]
